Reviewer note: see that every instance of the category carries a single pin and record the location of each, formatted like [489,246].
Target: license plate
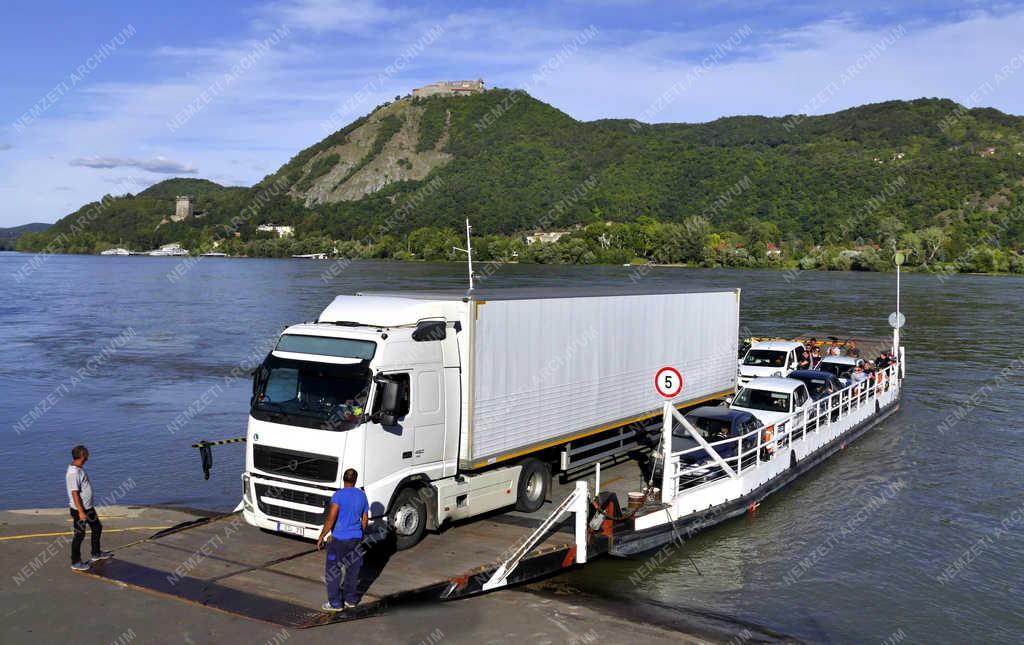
[287,528]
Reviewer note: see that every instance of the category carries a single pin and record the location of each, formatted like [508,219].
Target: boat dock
[222,563]
[43,601]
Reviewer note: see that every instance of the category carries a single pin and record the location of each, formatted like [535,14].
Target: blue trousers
[344,558]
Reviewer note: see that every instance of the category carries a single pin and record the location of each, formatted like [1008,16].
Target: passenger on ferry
[815,357]
[851,349]
[858,376]
[871,371]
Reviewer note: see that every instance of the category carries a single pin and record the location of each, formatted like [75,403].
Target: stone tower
[182,208]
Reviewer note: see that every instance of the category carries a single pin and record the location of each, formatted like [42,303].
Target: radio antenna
[469,254]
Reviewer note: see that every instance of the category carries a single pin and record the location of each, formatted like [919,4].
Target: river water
[915,533]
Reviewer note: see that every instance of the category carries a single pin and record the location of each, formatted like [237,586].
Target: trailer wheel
[534,483]
[408,519]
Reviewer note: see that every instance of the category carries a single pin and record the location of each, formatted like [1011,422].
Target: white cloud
[161,165]
[782,74]
[330,15]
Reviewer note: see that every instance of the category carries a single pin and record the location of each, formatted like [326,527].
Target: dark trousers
[93,522]
[343,556]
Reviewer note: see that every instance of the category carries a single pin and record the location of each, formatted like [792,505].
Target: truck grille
[289,495]
[300,465]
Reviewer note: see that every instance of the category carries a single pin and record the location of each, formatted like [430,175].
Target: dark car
[714,424]
[820,385]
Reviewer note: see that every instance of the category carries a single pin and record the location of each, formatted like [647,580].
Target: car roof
[718,413]
[774,384]
[779,345]
[802,374]
[841,360]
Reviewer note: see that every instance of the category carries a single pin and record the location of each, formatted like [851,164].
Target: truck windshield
[762,400]
[314,395]
[765,358]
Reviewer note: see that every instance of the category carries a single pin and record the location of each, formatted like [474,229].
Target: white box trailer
[547,370]
[451,406]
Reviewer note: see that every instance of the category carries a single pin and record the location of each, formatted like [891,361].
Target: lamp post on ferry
[897,319]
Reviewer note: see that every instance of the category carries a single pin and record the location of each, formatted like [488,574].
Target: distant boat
[213,255]
[117,251]
[311,256]
[169,250]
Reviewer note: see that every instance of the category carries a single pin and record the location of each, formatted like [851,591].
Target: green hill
[171,188]
[9,236]
[884,174]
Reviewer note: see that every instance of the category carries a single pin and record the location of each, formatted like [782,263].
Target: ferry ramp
[224,564]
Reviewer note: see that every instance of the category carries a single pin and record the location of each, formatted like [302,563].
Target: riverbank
[485,267]
[45,601]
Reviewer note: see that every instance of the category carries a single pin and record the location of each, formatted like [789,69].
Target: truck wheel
[408,519]
[534,482]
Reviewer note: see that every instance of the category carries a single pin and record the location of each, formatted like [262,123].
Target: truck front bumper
[291,509]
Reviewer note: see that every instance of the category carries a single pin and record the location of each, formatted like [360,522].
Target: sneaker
[80,566]
[329,607]
[349,605]
[102,555]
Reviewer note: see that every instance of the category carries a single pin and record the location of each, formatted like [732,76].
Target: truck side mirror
[387,415]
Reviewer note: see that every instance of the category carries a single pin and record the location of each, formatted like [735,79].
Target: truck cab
[770,358]
[382,399]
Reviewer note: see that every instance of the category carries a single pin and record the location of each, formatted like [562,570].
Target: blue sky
[112,97]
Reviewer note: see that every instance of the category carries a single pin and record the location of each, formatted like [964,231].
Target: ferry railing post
[757,446]
[579,509]
[668,494]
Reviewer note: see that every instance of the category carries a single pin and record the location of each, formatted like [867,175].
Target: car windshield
[762,400]
[711,430]
[317,395]
[836,369]
[765,358]
[818,387]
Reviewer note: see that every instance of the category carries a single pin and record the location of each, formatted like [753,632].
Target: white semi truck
[451,406]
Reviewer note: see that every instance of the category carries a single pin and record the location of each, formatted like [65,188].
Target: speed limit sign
[668,382]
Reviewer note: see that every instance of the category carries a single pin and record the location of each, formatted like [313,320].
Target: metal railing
[704,464]
[577,503]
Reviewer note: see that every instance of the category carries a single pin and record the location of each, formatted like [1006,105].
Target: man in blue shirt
[343,531]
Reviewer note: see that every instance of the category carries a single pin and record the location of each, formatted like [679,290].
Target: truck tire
[534,484]
[408,519]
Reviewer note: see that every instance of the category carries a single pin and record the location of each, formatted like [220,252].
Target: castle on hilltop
[450,87]
[183,208]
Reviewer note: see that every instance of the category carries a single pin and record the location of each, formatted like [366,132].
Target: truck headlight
[245,488]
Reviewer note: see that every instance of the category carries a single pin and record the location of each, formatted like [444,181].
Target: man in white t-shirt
[82,512]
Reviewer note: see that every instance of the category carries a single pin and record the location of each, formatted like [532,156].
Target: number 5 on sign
[668,382]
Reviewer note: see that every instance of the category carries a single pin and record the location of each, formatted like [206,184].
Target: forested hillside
[833,191]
